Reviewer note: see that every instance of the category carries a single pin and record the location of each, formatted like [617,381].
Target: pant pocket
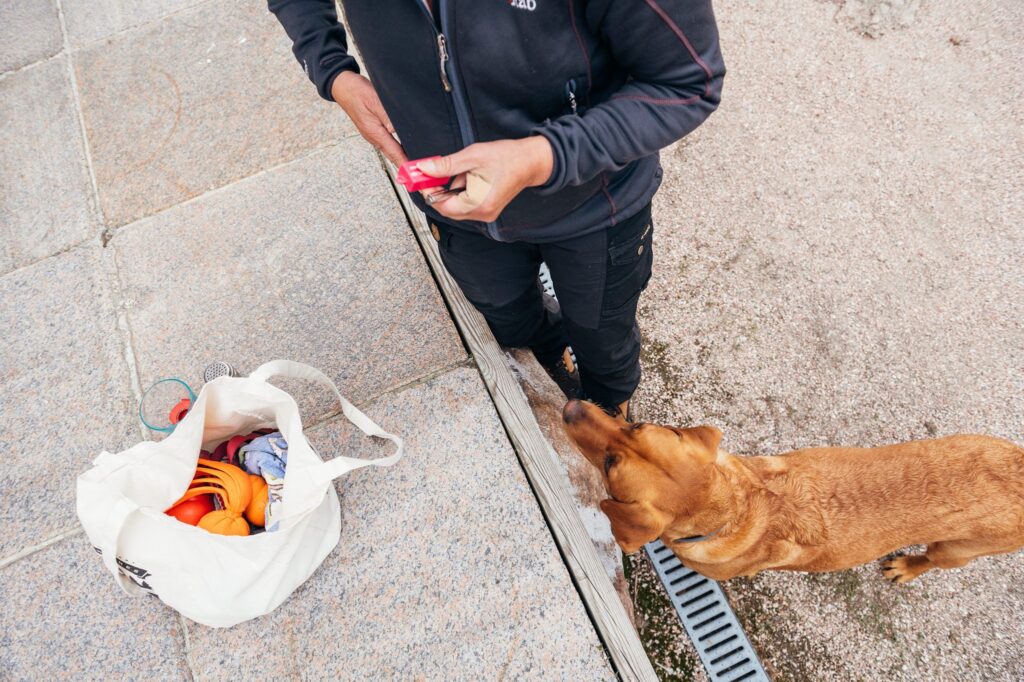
[628,240]
[630,262]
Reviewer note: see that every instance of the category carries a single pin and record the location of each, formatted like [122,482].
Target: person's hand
[490,175]
[360,101]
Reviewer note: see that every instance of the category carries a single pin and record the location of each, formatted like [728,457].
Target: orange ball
[256,511]
[224,522]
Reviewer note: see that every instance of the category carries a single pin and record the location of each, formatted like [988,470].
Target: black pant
[598,279]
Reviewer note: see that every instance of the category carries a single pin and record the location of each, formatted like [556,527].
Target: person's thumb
[447,166]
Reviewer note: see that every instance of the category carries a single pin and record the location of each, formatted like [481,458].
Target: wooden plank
[540,464]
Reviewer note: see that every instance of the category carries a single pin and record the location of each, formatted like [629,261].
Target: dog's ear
[634,524]
[708,436]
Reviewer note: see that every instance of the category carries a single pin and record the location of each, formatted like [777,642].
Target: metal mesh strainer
[218,369]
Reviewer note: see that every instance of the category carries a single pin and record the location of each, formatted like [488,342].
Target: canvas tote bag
[219,580]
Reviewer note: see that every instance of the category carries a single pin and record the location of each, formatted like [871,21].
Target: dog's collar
[699,538]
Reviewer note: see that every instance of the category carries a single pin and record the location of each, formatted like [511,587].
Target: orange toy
[234,489]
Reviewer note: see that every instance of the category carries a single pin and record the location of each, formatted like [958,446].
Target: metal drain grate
[722,645]
[701,605]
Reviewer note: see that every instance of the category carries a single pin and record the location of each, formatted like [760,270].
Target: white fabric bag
[219,580]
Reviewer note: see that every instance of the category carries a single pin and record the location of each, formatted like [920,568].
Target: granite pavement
[174,192]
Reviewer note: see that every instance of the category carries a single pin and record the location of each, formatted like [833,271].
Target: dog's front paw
[903,569]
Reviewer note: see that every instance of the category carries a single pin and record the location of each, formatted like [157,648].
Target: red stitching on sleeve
[655,100]
[684,40]
[608,196]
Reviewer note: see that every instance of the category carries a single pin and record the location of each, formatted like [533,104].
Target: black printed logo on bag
[136,574]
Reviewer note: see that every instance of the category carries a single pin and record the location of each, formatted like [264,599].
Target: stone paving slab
[445,570]
[90,20]
[63,617]
[65,387]
[182,106]
[45,203]
[29,31]
[312,261]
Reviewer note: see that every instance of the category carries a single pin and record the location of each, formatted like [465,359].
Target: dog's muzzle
[573,412]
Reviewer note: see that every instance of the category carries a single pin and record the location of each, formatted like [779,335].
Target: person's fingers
[377,135]
[393,151]
[453,164]
[374,106]
[458,183]
[477,188]
[456,207]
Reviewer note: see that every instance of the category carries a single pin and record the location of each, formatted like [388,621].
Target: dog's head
[653,474]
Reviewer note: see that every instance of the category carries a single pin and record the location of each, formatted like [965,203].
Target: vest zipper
[442,50]
[458,98]
[570,89]
[451,82]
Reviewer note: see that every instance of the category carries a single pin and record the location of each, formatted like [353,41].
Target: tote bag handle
[110,544]
[340,465]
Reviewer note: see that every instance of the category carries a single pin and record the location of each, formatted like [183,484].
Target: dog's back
[872,501]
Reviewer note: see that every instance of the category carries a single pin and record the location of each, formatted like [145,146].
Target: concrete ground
[840,260]
[174,192]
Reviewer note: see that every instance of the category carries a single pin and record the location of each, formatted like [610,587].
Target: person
[549,117]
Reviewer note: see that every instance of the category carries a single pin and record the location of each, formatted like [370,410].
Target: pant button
[434,231]
[640,250]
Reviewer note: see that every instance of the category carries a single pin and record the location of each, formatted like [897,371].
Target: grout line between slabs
[32,549]
[115,285]
[94,202]
[118,229]
[31,65]
[142,25]
[187,644]
[67,48]
[366,403]
[132,225]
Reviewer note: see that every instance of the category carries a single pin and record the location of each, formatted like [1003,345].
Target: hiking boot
[565,374]
[620,411]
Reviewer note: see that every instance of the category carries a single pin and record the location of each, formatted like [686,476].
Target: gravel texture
[839,260]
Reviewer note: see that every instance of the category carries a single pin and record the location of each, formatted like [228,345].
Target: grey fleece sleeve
[318,40]
[670,49]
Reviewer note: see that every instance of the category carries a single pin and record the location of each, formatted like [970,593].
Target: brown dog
[819,509]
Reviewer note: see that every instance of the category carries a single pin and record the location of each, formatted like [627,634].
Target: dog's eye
[609,462]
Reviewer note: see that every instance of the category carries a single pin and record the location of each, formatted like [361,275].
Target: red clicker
[413,179]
